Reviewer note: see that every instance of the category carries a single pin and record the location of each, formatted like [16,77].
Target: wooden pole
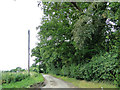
[29,52]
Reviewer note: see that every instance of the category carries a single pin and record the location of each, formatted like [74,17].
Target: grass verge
[0,87]
[86,84]
[26,82]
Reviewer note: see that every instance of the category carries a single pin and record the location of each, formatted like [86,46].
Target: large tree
[73,32]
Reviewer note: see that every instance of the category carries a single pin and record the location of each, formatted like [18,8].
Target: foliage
[18,69]
[36,68]
[8,77]
[25,83]
[103,67]
[85,84]
[90,26]
[72,36]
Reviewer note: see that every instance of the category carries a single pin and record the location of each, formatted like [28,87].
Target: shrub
[65,70]
[102,67]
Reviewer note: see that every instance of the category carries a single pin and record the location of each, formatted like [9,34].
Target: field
[8,77]
[20,80]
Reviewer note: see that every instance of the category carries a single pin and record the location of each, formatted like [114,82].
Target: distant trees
[18,69]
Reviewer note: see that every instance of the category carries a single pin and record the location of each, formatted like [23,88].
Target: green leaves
[73,35]
[89,26]
[83,30]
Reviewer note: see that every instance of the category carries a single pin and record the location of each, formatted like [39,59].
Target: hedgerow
[103,67]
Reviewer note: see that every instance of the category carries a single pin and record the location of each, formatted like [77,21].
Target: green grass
[0,80]
[8,77]
[26,82]
[86,84]
[0,87]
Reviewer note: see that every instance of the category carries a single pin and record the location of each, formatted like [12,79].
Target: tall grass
[8,77]
[34,78]
[0,80]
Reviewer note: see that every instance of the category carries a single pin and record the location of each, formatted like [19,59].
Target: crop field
[9,77]
[20,79]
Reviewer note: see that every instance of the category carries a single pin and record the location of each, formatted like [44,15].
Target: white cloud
[16,18]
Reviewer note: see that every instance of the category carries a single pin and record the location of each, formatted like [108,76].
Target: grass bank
[86,84]
[0,84]
[25,83]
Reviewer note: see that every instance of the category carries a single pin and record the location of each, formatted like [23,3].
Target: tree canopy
[73,34]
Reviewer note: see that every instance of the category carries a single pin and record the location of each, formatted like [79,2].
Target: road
[52,82]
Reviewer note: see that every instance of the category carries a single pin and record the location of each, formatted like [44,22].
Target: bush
[65,70]
[102,67]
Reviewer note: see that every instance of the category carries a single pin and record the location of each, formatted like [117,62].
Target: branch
[74,3]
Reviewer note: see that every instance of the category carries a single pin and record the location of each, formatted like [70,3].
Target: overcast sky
[16,18]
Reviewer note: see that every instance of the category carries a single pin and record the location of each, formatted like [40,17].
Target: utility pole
[29,52]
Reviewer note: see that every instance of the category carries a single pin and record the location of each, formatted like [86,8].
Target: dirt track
[52,82]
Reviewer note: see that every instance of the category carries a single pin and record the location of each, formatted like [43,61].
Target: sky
[16,18]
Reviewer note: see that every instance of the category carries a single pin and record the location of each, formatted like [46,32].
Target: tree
[73,33]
